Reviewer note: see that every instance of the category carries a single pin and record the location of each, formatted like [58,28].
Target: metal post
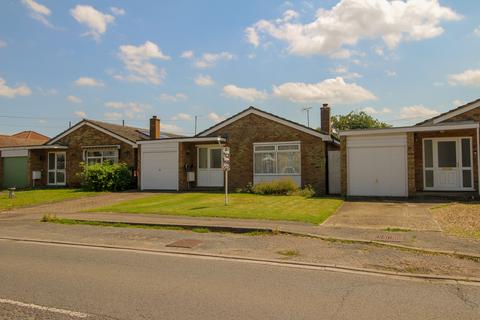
[196,117]
[226,187]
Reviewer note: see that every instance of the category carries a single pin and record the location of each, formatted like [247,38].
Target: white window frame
[209,148]
[276,151]
[55,170]
[459,167]
[102,157]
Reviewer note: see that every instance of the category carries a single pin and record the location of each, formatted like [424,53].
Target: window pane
[265,148]
[265,162]
[288,162]
[51,177]
[215,158]
[288,147]
[110,159]
[91,161]
[428,148]
[447,154]
[202,161]
[60,161]
[467,178]
[109,153]
[60,177]
[51,161]
[429,178]
[466,161]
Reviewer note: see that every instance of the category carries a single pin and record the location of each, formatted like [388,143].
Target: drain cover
[389,237]
[185,243]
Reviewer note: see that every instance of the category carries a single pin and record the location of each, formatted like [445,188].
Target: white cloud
[182,116]
[391,73]
[88,82]
[417,112]
[477,31]
[127,110]
[248,94]
[10,92]
[3,44]
[117,11]
[469,77]
[204,80]
[170,128]
[74,99]
[215,117]
[351,21]
[330,90]
[210,59]
[187,54]
[374,111]
[252,36]
[38,11]
[136,60]
[458,103]
[345,73]
[47,92]
[95,21]
[80,114]
[173,98]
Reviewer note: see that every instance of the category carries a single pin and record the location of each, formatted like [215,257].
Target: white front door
[56,168]
[448,164]
[209,164]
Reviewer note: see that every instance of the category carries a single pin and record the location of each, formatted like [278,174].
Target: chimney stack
[154,128]
[325,124]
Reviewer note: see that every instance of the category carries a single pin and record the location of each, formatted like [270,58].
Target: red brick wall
[253,128]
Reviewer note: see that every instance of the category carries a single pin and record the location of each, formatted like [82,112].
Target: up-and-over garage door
[159,166]
[377,165]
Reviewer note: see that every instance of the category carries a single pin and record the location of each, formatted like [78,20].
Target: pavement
[38,280]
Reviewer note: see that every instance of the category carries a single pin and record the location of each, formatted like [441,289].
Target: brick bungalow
[56,162]
[436,156]
[263,147]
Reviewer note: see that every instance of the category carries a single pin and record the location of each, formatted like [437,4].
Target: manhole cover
[185,243]
[389,237]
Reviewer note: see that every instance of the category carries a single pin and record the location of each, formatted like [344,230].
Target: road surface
[40,281]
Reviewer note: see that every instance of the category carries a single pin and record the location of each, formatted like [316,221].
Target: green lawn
[246,206]
[39,196]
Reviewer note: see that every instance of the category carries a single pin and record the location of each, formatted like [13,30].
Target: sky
[400,61]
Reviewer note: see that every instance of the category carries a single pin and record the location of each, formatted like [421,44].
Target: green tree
[356,120]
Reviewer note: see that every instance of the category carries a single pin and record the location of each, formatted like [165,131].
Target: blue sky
[401,61]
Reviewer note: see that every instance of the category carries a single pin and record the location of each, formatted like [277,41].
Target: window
[277,159]
[209,158]
[101,156]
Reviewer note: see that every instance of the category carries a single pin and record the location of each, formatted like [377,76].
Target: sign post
[226,168]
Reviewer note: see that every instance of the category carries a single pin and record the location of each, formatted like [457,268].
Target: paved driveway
[381,215]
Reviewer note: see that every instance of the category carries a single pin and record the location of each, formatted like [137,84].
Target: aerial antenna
[307,110]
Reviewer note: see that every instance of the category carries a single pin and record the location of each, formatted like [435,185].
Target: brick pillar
[343,165]
[411,163]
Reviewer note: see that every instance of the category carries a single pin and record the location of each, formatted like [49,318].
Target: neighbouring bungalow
[436,156]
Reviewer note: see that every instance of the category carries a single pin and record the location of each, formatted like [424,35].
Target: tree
[356,120]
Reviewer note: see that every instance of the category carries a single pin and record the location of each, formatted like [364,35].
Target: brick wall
[253,128]
[470,115]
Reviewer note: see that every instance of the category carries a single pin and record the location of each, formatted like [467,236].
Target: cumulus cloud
[469,77]
[38,11]
[330,90]
[208,60]
[187,54]
[182,116]
[80,114]
[215,117]
[137,61]
[173,97]
[126,110]
[351,21]
[95,21]
[374,111]
[74,99]
[248,94]
[204,80]
[252,36]
[391,73]
[12,92]
[117,11]
[47,92]
[88,82]
[477,31]
[417,112]
[345,73]
[171,128]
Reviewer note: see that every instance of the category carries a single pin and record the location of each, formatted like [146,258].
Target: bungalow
[263,147]
[436,155]
[56,162]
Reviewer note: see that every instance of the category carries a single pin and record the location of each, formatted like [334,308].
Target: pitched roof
[452,112]
[271,116]
[33,135]
[24,138]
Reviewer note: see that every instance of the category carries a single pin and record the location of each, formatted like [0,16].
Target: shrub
[277,187]
[306,192]
[247,189]
[106,177]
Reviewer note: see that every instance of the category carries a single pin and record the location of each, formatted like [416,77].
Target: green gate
[15,172]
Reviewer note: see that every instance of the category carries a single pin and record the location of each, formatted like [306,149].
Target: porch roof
[34,147]
[184,139]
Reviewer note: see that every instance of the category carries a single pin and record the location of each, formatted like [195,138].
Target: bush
[306,192]
[277,187]
[106,177]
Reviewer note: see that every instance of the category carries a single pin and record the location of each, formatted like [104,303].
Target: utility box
[36,175]
[191,176]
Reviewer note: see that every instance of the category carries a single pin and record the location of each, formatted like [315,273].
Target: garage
[159,166]
[377,165]
[15,168]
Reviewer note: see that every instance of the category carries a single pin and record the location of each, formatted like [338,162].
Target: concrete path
[382,215]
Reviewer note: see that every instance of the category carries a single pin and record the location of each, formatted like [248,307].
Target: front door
[209,164]
[448,164]
[56,168]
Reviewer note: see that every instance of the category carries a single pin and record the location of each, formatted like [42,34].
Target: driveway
[382,215]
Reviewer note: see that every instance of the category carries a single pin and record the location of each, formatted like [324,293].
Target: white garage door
[377,165]
[159,166]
